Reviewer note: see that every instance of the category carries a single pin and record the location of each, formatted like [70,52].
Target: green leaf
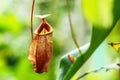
[99,33]
[95,42]
[65,63]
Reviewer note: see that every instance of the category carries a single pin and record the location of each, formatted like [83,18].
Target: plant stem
[71,27]
[31,20]
[119,66]
[119,74]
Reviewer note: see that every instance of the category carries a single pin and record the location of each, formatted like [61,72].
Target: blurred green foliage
[10,23]
[15,38]
[15,35]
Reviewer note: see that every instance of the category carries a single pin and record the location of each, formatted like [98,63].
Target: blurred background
[15,39]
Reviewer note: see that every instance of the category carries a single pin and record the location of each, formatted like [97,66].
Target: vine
[31,19]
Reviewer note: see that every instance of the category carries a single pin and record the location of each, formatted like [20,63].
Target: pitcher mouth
[47,32]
